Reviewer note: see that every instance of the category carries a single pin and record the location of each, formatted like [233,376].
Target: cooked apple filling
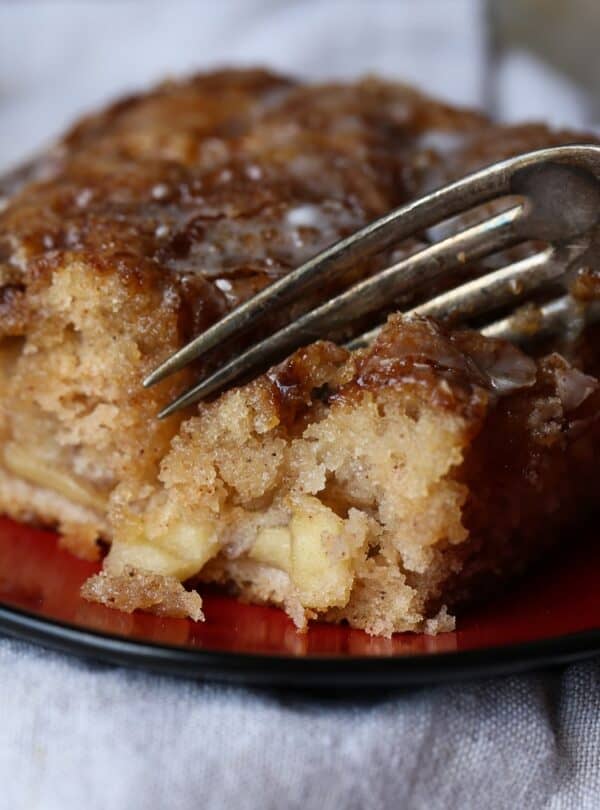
[29,466]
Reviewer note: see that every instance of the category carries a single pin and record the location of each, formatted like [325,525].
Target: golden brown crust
[213,187]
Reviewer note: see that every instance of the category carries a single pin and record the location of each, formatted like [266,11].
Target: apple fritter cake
[382,486]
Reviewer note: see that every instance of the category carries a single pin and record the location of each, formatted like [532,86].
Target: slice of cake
[379,487]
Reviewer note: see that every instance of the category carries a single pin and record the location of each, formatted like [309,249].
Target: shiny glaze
[212,187]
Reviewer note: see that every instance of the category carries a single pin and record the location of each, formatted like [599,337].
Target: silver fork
[558,203]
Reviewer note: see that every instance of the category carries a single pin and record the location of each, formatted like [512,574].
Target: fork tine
[508,286]
[399,224]
[504,287]
[493,290]
[563,314]
[365,297]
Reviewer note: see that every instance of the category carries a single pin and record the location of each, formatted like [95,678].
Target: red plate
[550,616]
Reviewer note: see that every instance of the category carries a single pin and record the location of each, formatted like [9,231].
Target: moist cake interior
[379,487]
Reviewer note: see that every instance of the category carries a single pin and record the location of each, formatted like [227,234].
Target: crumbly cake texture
[359,487]
[378,487]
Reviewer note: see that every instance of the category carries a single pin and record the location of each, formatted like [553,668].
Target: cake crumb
[135,590]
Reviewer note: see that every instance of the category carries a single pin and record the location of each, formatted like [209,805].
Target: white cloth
[80,735]
[77,735]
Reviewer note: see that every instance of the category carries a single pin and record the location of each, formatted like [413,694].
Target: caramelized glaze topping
[452,369]
[233,178]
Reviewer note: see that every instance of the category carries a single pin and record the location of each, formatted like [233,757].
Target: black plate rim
[264,669]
